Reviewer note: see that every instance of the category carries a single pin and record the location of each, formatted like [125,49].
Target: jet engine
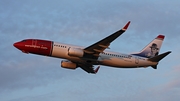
[77,52]
[68,64]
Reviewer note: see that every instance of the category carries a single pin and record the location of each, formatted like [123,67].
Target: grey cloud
[25,74]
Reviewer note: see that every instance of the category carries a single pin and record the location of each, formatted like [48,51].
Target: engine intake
[68,65]
[77,52]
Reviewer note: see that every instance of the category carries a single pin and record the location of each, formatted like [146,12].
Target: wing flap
[105,46]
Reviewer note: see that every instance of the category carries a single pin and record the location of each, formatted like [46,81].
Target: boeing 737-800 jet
[95,54]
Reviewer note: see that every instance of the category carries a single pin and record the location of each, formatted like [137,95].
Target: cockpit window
[23,41]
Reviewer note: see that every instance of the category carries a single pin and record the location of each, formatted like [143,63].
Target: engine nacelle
[68,65]
[77,52]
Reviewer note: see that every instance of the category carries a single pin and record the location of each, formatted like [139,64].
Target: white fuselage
[95,54]
[106,58]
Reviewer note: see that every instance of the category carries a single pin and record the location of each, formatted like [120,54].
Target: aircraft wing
[94,50]
[89,68]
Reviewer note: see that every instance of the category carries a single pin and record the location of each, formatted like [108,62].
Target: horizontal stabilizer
[155,66]
[159,57]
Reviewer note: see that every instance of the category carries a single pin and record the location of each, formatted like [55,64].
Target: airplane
[95,54]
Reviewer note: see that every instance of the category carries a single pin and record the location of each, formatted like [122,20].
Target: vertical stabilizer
[153,48]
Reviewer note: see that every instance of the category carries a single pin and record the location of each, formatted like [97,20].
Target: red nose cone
[17,45]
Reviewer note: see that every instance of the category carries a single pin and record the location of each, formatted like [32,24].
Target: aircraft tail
[158,58]
[152,49]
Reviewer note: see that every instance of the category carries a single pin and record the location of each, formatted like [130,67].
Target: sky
[28,77]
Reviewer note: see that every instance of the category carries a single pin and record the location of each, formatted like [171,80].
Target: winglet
[126,26]
[96,70]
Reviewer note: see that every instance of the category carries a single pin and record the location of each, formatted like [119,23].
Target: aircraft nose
[17,45]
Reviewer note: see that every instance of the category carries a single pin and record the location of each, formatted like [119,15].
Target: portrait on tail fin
[154,50]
